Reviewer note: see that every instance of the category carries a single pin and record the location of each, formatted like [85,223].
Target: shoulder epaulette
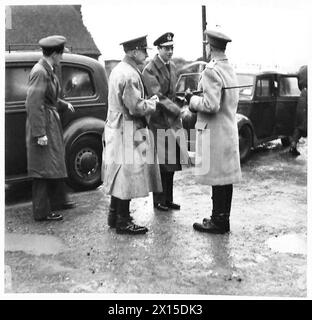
[211,64]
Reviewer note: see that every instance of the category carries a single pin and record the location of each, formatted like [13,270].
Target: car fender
[81,127]
[243,120]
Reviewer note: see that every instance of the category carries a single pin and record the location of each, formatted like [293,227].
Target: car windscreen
[245,93]
[188,81]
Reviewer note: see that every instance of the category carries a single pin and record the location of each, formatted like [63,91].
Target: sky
[263,32]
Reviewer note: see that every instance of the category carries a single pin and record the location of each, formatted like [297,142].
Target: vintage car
[266,109]
[84,85]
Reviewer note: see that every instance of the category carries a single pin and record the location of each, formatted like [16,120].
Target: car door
[16,79]
[262,113]
[286,104]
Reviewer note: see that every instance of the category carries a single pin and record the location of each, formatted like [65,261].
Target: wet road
[264,255]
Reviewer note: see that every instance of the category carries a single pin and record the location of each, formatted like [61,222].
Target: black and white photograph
[155,150]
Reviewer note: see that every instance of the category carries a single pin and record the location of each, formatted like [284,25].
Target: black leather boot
[111,218]
[112,214]
[217,224]
[293,149]
[294,152]
[124,224]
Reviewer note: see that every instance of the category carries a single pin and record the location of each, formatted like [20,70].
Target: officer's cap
[217,39]
[137,43]
[52,41]
[164,40]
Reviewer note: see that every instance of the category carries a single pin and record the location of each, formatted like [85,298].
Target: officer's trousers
[166,196]
[47,195]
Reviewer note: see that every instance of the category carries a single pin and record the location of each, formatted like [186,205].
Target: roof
[263,72]
[45,20]
[34,56]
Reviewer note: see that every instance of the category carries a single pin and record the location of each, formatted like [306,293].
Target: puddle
[288,243]
[36,244]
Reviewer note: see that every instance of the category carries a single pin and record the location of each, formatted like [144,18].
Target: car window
[77,82]
[248,81]
[188,81]
[263,88]
[288,86]
[16,83]
[245,79]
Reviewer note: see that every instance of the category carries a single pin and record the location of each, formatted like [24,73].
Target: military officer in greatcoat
[217,149]
[166,124]
[44,134]
[130,165]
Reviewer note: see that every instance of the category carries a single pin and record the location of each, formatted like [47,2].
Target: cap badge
[169,38]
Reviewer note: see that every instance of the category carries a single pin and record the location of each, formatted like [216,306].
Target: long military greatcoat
[217,144]
[130,166]
[42,105]
[160,81]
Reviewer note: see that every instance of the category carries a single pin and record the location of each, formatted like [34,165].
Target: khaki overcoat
[130,165]
[217,143]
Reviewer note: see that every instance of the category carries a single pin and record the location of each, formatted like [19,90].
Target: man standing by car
[160,79]
[127,173]
[217,148]
[44,135]
[301,112]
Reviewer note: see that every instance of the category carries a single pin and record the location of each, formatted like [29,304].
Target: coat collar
[46,66]
[159,62]
[161,66]
[218,56]
[132,63]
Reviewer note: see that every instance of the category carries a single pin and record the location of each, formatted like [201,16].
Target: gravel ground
[264,254]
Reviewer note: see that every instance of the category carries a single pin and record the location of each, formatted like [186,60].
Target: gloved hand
[188,95]
[154,98]
[42,141]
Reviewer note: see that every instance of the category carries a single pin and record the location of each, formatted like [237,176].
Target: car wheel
[245,142]
[84,163]
[285,141]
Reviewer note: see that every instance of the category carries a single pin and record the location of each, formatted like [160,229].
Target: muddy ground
[264,254]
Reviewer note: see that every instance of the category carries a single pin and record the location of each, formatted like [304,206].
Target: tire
[245,142]
[84,161]
[285,141]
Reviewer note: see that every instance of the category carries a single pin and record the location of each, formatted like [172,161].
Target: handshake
[154,98]
[188,95]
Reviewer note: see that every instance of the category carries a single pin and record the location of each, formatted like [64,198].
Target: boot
[294,152]
[217,224]
[112,214]
[293,149]
[126,226]
[111,218]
